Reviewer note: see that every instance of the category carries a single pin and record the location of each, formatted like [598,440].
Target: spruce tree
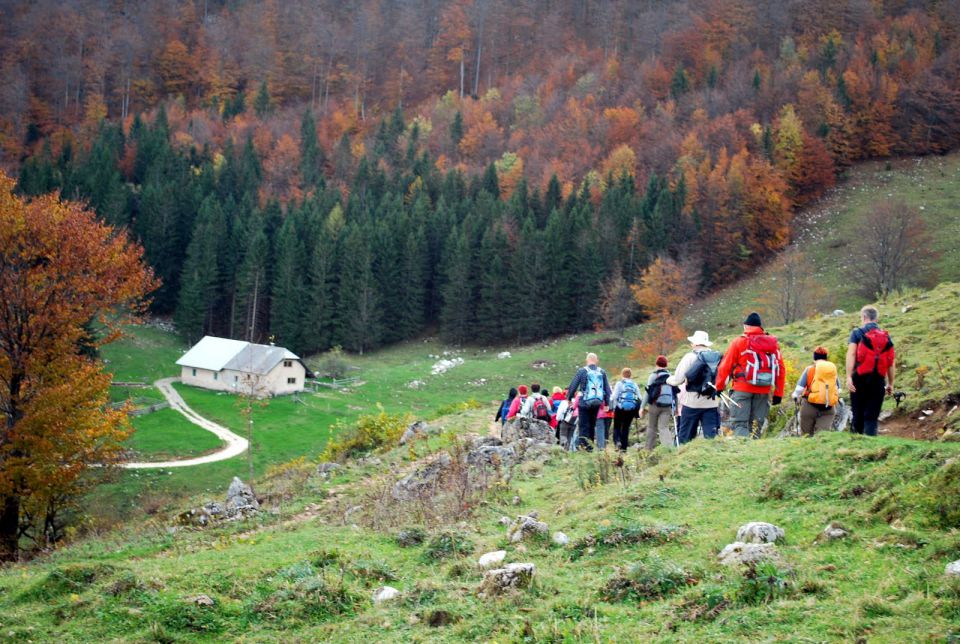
[359,320]
[262,103]
[456,313]
[456,130]
[200,278]
[288,295]
[311,154]
[253,288]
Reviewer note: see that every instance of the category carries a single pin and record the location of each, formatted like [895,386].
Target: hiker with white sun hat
[697,373]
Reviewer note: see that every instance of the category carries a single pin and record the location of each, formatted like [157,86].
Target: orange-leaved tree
[61,269]
[663,292]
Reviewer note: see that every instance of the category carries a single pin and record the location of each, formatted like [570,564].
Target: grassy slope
[879,584]
[167,434]
[149,353]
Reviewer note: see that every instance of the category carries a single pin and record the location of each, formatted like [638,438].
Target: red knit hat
[522,390]
[662,362]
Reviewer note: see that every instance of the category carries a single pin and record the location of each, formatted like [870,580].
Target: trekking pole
[796,418]
[676,430]
[727,400]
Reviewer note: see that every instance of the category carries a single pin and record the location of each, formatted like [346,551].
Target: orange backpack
[822,384]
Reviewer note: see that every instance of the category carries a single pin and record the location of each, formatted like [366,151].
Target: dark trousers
[621,427]
[587,426]
[690,418]
[866,402]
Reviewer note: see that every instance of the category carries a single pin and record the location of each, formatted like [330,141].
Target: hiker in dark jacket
[663,407]
[591,381]
[870,371]
[504,408]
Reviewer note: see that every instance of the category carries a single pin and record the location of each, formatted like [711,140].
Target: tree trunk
[9,527]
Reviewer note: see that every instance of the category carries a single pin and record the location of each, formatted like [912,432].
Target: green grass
[144,354]
[311,579]
[167,434]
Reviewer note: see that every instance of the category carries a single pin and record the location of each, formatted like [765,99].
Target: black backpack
[702,376]
[659,392]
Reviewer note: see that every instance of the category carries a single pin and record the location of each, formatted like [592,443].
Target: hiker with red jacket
[870,371]
[755,367]
[518,402]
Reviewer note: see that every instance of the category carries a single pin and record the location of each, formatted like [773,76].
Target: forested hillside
[327,174]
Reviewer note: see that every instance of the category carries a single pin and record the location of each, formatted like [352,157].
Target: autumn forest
[357,173]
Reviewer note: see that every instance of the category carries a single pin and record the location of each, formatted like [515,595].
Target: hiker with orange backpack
[870,371]
[755,367]
[817,394]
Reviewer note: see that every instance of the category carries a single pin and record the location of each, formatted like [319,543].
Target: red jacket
[734,365]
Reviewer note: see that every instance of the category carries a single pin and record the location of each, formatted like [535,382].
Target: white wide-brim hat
[700,339]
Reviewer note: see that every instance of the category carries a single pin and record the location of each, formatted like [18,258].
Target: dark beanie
[753,320]
[662,362]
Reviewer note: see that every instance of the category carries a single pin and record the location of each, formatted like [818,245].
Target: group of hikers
[681,404]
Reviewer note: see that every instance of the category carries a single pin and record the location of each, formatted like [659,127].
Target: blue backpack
[505,408]
[629,396]
[594,392]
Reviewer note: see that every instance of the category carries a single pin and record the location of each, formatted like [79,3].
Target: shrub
[411,537]
[631,533]
[72,578]
[648,579]
[334,364]
[369,433]
[448,544]
[373,570]
[457,407]
[312,598]
[762,583]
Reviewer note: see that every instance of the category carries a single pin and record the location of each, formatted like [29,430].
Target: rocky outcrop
[423,479]
[514,576]
[759,532]
[240,499]
[419,429]
[519,427]
[495,456]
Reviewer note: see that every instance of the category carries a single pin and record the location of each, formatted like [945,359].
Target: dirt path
[235,445]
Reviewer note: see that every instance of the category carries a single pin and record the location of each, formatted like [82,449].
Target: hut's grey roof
[216,354]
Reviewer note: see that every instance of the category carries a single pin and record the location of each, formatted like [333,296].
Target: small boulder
[513,576]
[492,559]
[952,569]
[241,500]
[833,531]
[524,527]
[326,469]
[838,313]
[492,456]
[759,532]
[503,355]
[744,553]
[385,594]
[520,427]
[416,430]
[206,601]
[560,539]
[504,521]
[423,478]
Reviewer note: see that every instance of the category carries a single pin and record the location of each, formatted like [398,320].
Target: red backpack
[761,360]
[875,353]
[540,409]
